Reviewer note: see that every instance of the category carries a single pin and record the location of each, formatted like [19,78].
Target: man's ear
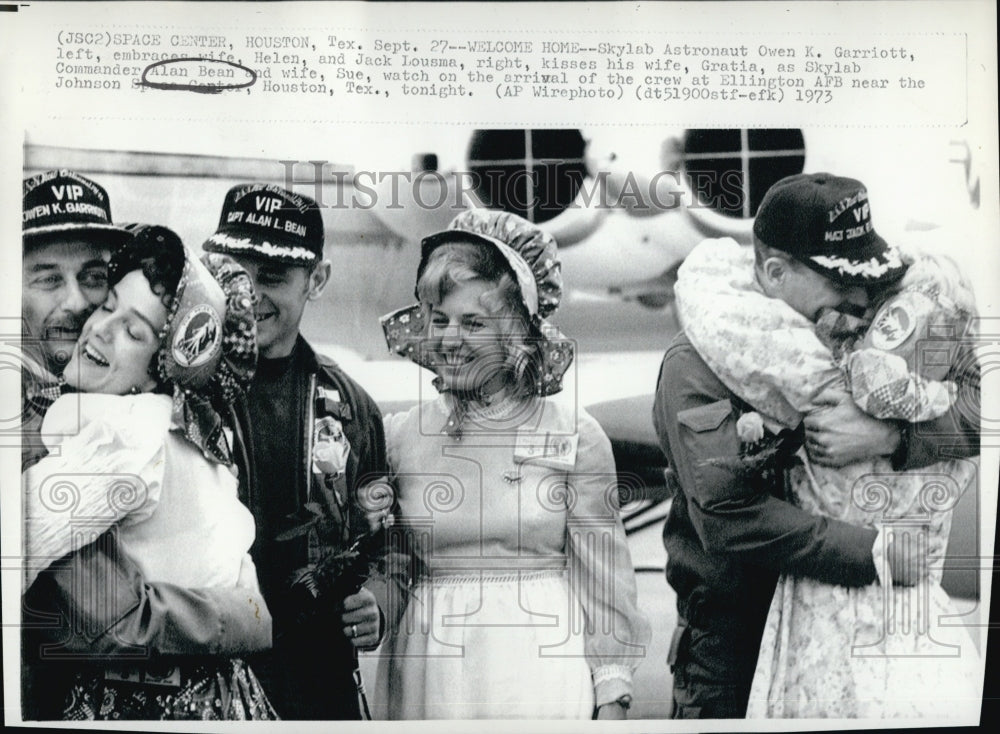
[773,271]
[318,279]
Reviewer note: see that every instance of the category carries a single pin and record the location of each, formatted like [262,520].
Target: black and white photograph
[394,362]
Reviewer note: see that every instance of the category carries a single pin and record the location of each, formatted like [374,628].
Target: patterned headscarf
[532,256]
[208,346]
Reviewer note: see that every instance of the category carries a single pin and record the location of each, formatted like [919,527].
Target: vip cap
[824,221]
[63,201]
[267,221]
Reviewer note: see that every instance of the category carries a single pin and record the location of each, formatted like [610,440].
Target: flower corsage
[330,448]
[760,450]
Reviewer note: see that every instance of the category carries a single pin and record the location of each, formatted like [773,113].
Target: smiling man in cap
[67,236]
[730,532]
[299,406]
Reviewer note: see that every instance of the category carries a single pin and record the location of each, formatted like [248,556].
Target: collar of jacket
[328,373]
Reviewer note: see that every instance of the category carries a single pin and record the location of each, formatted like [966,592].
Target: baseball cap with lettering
[267,221]
[57,202]
[824,221]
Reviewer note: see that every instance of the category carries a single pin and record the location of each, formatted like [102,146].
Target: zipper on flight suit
[313,549]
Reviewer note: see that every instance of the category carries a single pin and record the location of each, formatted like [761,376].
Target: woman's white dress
[526,601]
[115,461]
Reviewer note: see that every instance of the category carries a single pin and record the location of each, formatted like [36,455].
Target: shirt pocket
[708,434]
[706,417]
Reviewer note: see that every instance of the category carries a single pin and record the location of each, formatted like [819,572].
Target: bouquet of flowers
[338,562]
[337,573]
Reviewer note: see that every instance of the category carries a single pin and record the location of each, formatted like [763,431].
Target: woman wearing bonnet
[523,600]
[144,441]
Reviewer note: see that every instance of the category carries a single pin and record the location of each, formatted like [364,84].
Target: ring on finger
[354,630]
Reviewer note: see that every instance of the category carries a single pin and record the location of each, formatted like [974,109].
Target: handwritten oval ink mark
[229,69]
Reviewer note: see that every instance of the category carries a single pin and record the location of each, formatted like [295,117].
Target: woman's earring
[135,390]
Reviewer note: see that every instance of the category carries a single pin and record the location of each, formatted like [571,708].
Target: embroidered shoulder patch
[892,326]
[198,337]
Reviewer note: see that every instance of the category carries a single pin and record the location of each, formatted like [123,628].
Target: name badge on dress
[555,451]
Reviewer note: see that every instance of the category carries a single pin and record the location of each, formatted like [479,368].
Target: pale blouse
[526,486]
[114,460]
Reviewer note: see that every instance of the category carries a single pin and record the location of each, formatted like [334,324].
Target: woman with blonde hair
[523,601]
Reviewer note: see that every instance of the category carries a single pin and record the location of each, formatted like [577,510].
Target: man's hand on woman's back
[840,433]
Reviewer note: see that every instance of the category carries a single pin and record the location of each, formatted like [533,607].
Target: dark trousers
[308,674]
[712,674]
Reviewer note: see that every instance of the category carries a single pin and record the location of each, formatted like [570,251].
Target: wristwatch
[625,701]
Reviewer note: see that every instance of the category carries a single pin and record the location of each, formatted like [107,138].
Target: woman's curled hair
[157,252]
[453,264]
